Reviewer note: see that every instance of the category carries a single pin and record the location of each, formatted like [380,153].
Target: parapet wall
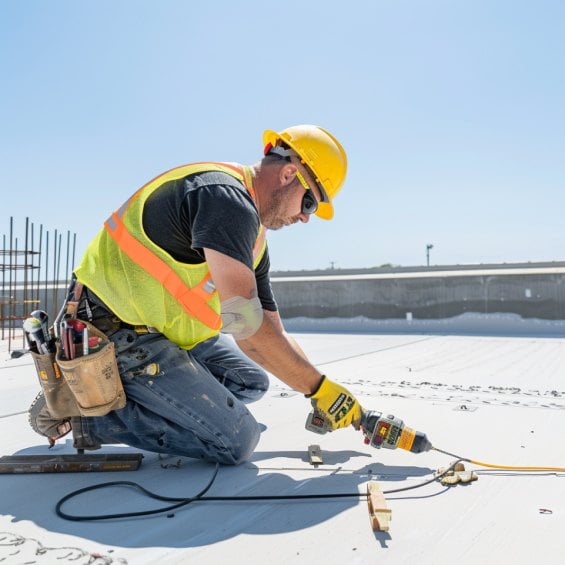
[535,293]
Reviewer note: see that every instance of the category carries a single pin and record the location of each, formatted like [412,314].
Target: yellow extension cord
[516,468]
[492,466]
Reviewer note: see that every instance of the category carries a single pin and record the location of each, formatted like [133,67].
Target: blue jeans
[194,405]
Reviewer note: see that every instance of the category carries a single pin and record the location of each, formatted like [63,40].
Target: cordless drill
[379,431]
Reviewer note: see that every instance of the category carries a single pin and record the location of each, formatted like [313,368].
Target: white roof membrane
[492,399]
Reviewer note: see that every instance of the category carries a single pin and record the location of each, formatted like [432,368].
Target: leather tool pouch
[58,396]
[94,379]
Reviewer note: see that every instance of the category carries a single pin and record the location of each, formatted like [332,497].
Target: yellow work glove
[336,404]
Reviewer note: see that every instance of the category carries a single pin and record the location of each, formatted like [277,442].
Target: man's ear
[287,174]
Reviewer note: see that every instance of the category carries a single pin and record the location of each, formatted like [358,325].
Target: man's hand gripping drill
[335,407]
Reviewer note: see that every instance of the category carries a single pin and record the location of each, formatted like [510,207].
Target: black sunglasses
[309,203]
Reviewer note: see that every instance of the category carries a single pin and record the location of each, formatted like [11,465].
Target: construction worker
[178,279]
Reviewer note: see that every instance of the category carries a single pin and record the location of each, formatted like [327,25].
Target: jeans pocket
[139,358]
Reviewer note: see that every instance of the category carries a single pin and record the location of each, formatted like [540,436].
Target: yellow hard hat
[321,152]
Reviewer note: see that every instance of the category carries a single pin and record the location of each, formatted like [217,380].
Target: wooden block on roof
[380,514]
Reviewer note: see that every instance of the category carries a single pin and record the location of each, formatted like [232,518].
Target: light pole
[428,247]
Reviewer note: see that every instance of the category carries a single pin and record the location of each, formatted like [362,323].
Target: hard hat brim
[325,210]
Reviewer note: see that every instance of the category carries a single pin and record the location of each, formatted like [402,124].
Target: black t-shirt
[210,210]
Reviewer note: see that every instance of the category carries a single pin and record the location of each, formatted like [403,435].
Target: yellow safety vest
[142,284]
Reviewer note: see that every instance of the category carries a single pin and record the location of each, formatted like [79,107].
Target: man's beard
[272,217]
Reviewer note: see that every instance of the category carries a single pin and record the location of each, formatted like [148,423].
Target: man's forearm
[279,354]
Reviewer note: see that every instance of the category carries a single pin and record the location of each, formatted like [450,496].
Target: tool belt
[79,375]
[91,307]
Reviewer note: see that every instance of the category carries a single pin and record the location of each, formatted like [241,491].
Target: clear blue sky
[452,114]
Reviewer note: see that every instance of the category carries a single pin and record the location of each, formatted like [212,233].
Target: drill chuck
[421,443]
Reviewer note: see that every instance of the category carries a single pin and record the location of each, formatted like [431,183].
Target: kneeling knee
[242,442]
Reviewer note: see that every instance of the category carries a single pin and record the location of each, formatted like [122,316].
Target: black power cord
[201,498]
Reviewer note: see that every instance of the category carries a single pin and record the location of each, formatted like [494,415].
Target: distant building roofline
[384,270]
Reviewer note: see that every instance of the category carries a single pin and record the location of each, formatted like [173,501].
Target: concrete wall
[529,293]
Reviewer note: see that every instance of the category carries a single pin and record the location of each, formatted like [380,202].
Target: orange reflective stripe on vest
[193,302]
[260,244]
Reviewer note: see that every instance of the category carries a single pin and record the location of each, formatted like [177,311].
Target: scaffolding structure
[31,277]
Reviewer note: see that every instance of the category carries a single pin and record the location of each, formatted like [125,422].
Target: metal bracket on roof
[315,455]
